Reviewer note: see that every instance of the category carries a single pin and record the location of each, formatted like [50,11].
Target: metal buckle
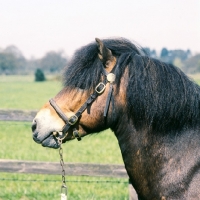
[100,90]
[76,135]
[72,120]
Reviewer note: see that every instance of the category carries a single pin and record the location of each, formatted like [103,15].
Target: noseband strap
[58,110]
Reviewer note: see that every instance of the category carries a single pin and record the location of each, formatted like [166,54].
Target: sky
[39,26]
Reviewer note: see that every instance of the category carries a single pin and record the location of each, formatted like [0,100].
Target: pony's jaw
[43,127]
[48,121]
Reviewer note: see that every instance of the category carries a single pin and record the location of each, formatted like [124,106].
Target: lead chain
[63,186]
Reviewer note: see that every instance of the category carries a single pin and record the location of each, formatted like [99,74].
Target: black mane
[85,69]
[159,95]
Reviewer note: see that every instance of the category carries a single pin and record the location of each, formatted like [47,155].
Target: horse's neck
[153,161]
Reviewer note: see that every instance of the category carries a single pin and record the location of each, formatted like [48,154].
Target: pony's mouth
[48,141]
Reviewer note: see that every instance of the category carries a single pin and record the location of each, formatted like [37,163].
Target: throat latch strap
[111,80]
[108,100]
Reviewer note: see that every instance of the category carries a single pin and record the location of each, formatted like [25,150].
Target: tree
[192,64]
[12,61]
[178,63]
[14,51]
[7,63]
[149,52]
[39,75]
[53,62]
[164,52]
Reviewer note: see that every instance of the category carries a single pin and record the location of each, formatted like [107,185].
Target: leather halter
[70,122]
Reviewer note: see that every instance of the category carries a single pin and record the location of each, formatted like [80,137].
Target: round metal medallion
[111,77]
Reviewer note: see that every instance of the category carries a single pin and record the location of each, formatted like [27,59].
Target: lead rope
[63,186]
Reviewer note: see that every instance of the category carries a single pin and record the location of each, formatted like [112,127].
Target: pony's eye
[107,63]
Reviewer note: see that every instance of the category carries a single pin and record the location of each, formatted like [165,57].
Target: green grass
[78,188]
[16,143]
[22,92]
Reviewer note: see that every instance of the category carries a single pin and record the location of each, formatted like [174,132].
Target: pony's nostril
[34,125]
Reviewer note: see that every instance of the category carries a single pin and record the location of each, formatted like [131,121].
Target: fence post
[132,192]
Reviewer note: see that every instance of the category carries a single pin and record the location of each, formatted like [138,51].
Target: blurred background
[37,39]
[44,34]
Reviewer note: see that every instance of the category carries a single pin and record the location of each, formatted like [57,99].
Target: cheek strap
[100,88]
[69,122]
[108,100]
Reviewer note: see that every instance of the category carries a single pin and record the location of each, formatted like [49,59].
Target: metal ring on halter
[76,134]
[98,88]
[58,138]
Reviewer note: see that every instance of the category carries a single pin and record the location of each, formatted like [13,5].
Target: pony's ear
[105,54]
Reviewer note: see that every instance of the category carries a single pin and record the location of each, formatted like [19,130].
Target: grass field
[16,143]
[21,92]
